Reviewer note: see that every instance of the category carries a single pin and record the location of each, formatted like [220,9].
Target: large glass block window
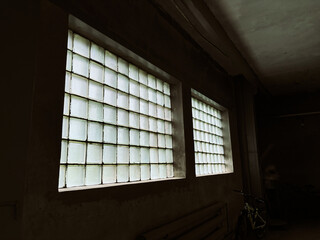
[116,120]
[208,137]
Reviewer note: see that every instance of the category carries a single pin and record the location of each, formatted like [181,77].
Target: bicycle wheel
[261,222]
[242,230]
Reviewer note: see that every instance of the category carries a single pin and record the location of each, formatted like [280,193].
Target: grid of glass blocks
[208,139]
[116,120]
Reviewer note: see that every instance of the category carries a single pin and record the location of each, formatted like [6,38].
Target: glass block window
[208,138]
[116,120]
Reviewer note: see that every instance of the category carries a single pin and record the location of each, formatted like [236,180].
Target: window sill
[70,189]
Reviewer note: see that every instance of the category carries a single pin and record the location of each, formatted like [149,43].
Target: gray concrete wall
[120,212]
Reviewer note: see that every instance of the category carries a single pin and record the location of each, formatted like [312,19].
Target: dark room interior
[252,66]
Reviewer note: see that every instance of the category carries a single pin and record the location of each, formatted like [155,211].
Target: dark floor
[299,230]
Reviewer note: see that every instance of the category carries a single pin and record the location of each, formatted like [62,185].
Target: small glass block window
[209,146]
[116,120]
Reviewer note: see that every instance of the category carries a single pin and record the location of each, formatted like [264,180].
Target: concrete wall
[289,136]
[34,118]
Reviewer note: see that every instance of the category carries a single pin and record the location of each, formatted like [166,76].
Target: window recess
[117,116]
[212,147]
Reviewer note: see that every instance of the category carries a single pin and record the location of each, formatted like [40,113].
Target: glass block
[94,132]
[123,117]
[65,127]
[67,82]
[62,176]
[144,107]
[163,171]
[110,96]
[144,122]
[123,83]
[93,175]
[196,157]
[168,128]
[134,137]
[109,153]
[109,174]
[145,172]
[154,157]
[159,85]
[94,153]
[110,114]
[79,107]
[153,140]
[152,95]
[145,155]
[133,72]
[168,141]
[155,171]
[197,170]
[123,66]
[143,77]
[79,85]
[152,109]
[110,60]
[161,124]
[160,112]
[75,176]
[134,104]
[110,134]
[144,138]
[78,129]
[201,169]
[81,45]
[70,40]
[166,88]
[170,170]
[161,141]
[134,155]
[95,111]
[123,135]
[122,173]
[218,114]
[96,71]
[169,155]
[160,98]
[64,149]
[135,173]
[143,92]
[97,53]
[134,120]
[153,125]
[76,152]
[151,81]
[162,155]
[95,91]
[80,65]
[167,101]
[122,100]
[69,61]
[122,154]
[167,113]
[110,77]
[134,88]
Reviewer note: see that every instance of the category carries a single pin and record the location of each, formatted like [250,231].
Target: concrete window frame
[178,138]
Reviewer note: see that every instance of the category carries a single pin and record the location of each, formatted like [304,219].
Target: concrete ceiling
[280,39]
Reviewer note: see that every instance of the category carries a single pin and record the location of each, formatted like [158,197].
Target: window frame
[225,121]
